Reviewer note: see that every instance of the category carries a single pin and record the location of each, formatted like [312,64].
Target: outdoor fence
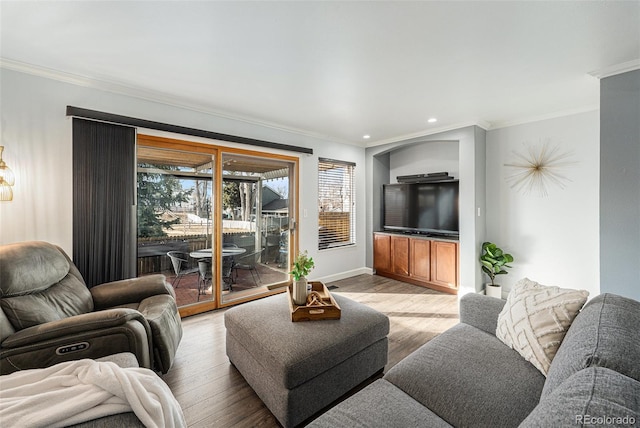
[152,252]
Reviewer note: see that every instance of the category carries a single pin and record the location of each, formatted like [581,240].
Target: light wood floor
[212,393]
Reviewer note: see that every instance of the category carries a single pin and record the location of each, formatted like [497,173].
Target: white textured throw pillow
[535,319]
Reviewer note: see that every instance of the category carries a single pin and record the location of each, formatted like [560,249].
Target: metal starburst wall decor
[538,168]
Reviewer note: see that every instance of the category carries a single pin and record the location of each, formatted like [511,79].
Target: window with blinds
[336,203]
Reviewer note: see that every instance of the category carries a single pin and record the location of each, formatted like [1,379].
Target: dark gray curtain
[104,180]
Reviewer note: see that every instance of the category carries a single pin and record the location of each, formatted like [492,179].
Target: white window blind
[336,203]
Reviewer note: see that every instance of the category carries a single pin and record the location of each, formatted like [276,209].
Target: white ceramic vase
[300,291]
[493,291]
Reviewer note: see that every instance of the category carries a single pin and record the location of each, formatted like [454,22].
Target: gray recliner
[49,315]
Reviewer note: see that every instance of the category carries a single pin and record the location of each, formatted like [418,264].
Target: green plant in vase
[302,266]
[494,262]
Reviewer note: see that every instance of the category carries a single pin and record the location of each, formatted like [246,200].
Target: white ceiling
[336,69]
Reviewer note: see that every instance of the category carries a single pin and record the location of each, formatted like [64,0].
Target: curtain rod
[159,126]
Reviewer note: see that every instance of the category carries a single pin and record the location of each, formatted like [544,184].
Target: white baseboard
[343,275]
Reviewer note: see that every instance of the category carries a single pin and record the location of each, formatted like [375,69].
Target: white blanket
[77,391]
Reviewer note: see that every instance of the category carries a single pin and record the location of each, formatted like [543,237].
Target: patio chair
[248,262]
[271,243]
[227,272]
[204,267]
[180,262]
[283,249]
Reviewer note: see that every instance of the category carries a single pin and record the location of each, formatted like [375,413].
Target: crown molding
[155,96]
[48,73]
[486,125]
[427,132]
[616,69]
[159,97]
[554,115]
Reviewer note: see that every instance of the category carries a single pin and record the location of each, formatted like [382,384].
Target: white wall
[554,240]
[352,259]
[423,158]
[38,147]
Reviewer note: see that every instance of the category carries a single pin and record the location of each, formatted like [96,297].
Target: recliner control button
[75,347]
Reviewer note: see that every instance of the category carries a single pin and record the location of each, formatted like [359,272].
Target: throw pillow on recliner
[535,319]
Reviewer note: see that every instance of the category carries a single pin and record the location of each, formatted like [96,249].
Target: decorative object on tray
[494,261]
[319,304]
[315,299]
[302,265]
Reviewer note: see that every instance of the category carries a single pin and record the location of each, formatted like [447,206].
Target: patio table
[228,253]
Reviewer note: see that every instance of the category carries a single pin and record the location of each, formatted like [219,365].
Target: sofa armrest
[481,311]
[76,324]
[134,290]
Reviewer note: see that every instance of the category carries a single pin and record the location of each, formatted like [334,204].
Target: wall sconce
[7,179]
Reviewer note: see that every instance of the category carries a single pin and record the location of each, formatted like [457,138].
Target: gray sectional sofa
[466,377]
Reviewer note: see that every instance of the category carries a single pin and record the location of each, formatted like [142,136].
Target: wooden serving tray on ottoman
[328,310]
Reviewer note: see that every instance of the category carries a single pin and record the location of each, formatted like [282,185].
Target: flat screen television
[424,208]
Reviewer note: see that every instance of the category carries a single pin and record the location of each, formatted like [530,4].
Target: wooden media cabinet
[420,260]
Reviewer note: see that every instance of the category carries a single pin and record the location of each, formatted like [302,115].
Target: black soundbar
[424,178]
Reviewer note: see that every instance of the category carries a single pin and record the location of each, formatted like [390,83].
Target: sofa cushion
[38,284]
[379,405]
[128,420]
[29,267]
[590,397]
[6,328]
[67,298]
[470,378]
[166,329]
[605,334]
[535,319]
[122,359]
[481,311]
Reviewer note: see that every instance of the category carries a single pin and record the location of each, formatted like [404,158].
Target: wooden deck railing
[152,252]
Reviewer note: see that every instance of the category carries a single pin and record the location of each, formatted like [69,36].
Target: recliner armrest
[75,324]
[132,290]
[481,311]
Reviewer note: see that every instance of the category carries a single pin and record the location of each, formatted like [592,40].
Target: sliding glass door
[217,222]
[174,216]
[255,217]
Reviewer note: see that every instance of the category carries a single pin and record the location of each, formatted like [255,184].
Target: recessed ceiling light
[432,120]
[366,137]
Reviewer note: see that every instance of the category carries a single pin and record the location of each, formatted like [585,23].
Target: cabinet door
[382,253]
[444,263]
[400,255]
[420,259]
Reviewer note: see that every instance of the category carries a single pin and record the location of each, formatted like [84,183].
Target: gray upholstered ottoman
[298,368]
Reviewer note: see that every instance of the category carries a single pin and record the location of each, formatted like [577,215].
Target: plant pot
[300,291]
[493,291]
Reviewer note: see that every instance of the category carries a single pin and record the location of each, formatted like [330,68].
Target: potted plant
[302,265]
[494,261]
